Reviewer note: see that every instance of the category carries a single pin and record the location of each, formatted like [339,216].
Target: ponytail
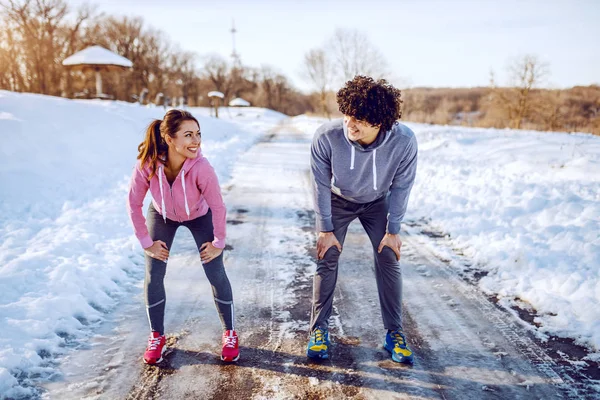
[152,147]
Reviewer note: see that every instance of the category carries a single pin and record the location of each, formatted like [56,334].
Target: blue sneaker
[318,345]
[395,343]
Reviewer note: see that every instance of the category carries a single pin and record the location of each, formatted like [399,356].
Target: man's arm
[401,186]
[320,164]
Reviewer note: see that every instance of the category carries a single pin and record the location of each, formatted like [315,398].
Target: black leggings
[202,230]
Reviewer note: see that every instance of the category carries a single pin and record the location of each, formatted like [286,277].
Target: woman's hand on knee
[208,252]
[158,250]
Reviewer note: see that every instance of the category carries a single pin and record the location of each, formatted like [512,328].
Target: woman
[185,191]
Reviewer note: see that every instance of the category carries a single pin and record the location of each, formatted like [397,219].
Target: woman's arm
[138,188]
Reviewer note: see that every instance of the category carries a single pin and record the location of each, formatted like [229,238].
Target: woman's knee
[215,270]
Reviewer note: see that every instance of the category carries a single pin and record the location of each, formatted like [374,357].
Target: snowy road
[465,346]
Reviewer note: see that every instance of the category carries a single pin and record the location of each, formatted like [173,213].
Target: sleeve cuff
[393,228]
[325,225]
[146,242]
[219,243]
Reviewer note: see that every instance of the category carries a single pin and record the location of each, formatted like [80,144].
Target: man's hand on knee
[393,242]
[324,242]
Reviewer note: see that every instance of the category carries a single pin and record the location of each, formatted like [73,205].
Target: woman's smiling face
[187,140]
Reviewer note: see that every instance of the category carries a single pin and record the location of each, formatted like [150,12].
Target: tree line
[37,35]
[522,103]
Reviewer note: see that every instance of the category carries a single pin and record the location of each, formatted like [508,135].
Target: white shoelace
[230,341]
[153,343]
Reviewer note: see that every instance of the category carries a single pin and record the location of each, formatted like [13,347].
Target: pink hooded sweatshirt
[194,191]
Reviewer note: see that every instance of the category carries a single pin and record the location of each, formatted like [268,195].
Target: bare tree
[11,73]
[124,36]
[145,47]
[184,72]
[526,73]
[37,36]
[36,24]
[231,80]
[72,38]
[269,81]
[217,70]
[318,70]
[554,118]
[353,54]
[346,54]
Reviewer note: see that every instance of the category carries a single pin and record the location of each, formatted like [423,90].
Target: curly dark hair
[376,102]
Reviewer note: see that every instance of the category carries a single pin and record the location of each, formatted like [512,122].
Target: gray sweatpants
[373,217]
[202,231]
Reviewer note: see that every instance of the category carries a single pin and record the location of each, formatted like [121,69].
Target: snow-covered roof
[97,55]
[239,102]
[214,93]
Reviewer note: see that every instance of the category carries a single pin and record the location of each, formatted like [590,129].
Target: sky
[425,43]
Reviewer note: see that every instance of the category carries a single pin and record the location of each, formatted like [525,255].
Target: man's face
[360,131]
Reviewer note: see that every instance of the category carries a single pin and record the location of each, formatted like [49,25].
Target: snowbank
[67,254]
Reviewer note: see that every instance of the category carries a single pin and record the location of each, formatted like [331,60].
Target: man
[363,167]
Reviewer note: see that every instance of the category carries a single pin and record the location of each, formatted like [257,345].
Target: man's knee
[387,258]
[330,260]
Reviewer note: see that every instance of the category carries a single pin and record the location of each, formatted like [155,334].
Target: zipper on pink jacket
[173,200]
[182,173]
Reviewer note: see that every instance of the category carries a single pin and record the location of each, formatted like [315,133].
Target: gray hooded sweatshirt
[362,174]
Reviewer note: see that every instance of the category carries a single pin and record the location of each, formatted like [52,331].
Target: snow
[67,254]
[524,206]
[239,102]
[214,93]
[97,55]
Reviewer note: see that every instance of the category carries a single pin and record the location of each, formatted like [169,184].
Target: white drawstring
[187,209]
[162,194]
[374,170]
[352,155]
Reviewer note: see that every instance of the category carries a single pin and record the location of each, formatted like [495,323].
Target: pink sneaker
[156,348]
[231,352]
